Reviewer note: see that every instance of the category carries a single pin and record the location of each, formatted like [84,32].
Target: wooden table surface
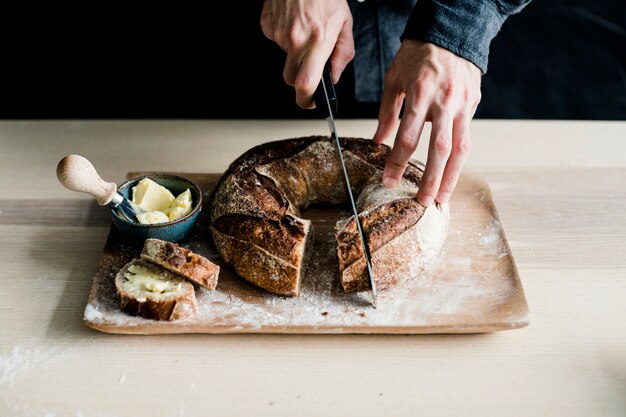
[560,189]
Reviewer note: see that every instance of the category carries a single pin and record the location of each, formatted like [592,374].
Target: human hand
[437,86]
[310,32]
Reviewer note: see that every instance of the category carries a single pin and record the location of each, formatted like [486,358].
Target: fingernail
[426,202]
[389,182]
[443,197]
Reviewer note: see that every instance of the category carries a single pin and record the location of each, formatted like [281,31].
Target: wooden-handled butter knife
[76,173]
[326,101]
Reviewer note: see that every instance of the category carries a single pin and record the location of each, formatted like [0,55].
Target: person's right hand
[310,32]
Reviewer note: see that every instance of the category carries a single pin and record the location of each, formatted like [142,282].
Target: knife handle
[76,173]
[319,97]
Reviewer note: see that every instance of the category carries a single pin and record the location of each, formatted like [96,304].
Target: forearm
[464,27]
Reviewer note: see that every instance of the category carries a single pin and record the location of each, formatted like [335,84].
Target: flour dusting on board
[473,284]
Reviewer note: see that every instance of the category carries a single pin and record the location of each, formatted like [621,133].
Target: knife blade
[126,207]
[326,101]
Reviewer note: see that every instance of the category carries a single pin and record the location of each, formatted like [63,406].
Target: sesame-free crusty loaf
[402,235]
[181,261]
[257,227]
[149,291]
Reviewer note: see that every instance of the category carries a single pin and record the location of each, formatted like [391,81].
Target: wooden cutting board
[472,287]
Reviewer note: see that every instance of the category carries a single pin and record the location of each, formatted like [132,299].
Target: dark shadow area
[559,60]
[555,60]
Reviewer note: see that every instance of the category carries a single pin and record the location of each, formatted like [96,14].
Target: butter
[151,196]
[144,279]
[152,217]
[181,206]
[160,204]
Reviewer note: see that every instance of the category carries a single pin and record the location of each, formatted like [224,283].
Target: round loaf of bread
[257,227]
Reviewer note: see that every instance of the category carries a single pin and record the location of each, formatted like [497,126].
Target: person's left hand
[437,86]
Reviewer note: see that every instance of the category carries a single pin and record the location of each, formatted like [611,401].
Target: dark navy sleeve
[464,27]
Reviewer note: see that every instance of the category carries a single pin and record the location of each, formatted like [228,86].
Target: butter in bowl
[158,202]
[161,205]
[172,205]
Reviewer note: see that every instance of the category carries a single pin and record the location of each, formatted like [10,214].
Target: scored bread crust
[181,261]
[257,228]
[175,305]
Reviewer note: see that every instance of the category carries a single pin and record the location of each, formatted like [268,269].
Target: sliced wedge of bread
[181,261]
[149,291]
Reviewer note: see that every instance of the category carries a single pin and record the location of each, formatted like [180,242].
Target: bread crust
[403,256]
[257,228]
[182,261]
[403,236]
[175,305]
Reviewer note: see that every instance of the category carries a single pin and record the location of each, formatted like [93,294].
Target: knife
[77,173]
[326,101]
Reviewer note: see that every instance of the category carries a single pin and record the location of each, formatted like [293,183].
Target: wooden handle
[76,173]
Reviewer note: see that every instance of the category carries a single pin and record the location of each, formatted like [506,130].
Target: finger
[405,142]
[389,113]
[309,75]
[292,64]
[461,145]
[438,154]
[343,52]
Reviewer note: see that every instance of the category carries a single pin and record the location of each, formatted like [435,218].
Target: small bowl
[172,231]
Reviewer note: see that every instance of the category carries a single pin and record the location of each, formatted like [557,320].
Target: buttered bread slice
[147,290]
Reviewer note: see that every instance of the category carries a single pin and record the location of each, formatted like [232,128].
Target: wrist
[465,29]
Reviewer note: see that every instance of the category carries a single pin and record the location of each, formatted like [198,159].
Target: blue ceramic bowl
[173,231]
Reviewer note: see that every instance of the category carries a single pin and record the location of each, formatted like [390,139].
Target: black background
[555,60]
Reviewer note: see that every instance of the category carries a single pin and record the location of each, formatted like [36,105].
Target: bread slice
[181,261]
[147,290]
